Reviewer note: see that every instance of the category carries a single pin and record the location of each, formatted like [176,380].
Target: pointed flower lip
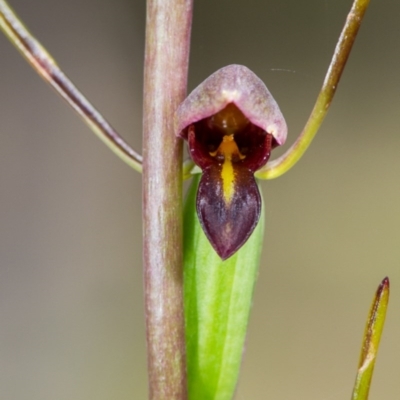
[238,85]
[231,123]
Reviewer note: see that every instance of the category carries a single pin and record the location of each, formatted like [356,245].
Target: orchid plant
[201,260]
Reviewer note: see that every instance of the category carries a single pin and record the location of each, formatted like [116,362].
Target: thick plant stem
[168,25]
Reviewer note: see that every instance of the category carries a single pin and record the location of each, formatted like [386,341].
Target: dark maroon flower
[231,123]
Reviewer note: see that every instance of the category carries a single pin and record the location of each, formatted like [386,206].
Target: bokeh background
[71,299]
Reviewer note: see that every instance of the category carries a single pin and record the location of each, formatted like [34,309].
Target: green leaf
[218,297]
[371,339]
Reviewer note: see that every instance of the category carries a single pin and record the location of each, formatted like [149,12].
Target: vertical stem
[168,27]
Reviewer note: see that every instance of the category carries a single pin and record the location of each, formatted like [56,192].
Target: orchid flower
[231,122]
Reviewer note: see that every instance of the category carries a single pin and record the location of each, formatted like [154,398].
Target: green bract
[218,298]
[371,340]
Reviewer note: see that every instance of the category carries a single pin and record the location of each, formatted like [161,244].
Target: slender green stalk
[370,345]
[42,62]
[168,26]
[281,165]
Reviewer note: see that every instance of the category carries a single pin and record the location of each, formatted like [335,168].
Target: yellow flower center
[228,151]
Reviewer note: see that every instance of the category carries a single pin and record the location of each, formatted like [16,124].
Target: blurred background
[71,299]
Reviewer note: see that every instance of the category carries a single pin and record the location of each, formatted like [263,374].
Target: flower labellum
[231,123]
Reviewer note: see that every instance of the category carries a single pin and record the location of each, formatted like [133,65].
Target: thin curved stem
[47,68]
[277,167]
